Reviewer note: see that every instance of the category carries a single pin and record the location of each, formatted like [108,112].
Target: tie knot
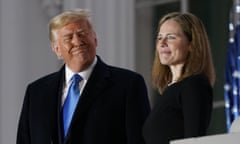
[76,78]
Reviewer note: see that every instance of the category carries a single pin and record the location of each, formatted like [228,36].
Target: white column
[25,55]
[145,45]
[184,5]
[114,23]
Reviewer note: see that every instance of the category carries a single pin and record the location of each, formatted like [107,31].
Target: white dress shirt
[84,74]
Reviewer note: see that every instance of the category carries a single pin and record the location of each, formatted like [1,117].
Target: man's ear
[95,38]
[56,49]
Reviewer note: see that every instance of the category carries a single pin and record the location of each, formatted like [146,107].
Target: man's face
[76,43]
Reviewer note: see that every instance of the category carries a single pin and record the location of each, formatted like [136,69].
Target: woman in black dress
[183,73]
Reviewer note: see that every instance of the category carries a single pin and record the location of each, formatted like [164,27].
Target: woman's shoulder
[196,79]
[196,82]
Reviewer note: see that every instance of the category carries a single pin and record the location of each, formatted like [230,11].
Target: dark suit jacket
[112,109]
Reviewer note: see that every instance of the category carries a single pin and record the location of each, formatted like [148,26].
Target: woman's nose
[163,41]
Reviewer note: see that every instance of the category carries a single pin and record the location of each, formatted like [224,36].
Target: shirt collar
[84,74]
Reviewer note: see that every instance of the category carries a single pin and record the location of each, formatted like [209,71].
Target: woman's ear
[190,47]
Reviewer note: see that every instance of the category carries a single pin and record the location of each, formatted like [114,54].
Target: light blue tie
[71,102]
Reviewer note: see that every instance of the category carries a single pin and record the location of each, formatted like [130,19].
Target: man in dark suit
[113,103]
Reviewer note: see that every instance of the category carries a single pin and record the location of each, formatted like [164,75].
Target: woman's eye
[171,37]
[159,38]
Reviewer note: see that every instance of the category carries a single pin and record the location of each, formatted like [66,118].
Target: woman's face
[172,45]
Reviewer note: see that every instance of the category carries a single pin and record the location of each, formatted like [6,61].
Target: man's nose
[76,40]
